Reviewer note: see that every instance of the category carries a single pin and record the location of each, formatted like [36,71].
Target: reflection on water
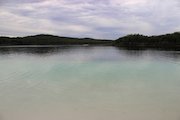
[115,52]
[88,83]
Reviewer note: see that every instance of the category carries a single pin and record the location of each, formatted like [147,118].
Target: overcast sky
[105,19]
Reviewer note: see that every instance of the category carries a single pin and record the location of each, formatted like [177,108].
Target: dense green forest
[44,39]
[151,41]
[133,40]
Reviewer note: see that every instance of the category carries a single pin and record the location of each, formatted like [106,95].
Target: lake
[89,83]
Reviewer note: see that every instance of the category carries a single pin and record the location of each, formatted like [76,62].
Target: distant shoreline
[132,40]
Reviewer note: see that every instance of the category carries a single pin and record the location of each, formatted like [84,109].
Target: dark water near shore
[89,83]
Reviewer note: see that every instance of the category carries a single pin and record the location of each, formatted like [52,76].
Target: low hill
[151,41]
[44,39]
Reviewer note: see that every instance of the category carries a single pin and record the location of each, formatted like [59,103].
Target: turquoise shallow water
[88,83]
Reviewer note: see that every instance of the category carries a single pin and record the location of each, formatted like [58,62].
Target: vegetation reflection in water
[92,83]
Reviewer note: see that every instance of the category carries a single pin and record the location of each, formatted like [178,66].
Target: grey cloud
[92,18]
[21,1]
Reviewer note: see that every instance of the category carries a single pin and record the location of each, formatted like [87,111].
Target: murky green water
[88,83]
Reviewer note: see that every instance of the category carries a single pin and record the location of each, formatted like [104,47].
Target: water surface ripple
[89,83]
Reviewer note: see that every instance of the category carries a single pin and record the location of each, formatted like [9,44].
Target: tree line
[134,40]
[149,41]
[44,39]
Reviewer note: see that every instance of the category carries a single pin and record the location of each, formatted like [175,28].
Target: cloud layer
[106,19]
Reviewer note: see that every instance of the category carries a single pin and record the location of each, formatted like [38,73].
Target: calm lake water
[88,83]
